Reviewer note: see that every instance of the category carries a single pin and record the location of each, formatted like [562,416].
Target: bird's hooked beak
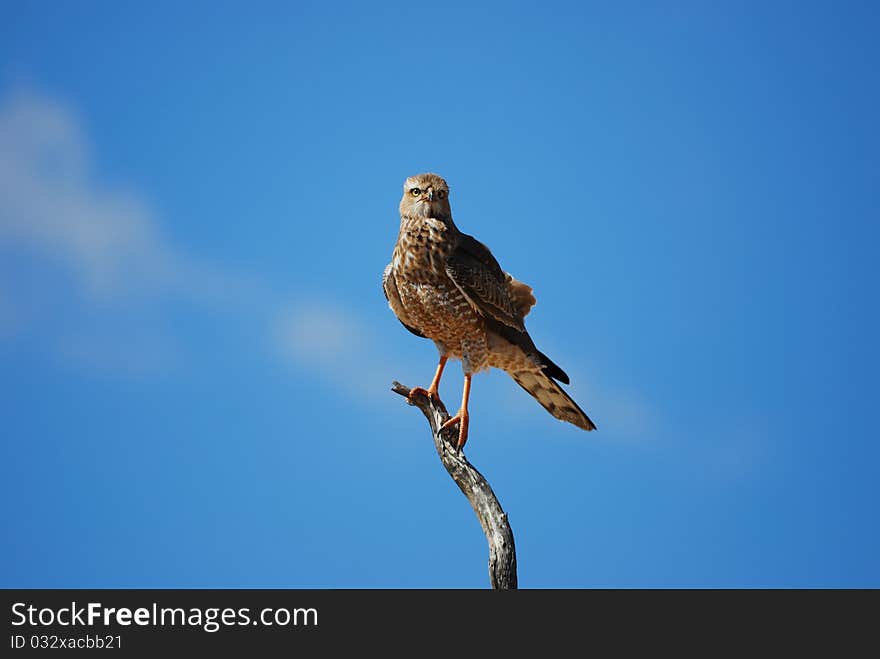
[430,194]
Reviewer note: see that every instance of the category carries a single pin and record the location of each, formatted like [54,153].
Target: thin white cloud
[319,335]
[335,345]
[88,270]
[92,267]
[53,206]
[338,346]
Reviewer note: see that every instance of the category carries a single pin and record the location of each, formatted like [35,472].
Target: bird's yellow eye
[415,192]
[441,194]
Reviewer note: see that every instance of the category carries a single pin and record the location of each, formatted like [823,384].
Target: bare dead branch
[493,519]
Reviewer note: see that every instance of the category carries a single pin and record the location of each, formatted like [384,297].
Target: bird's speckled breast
[433,303]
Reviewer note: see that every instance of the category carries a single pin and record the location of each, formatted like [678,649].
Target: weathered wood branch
[493,519]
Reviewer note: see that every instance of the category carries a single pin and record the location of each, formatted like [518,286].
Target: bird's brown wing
[482,281]
[499,298]
[389,287]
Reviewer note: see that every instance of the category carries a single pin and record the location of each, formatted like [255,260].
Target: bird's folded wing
[497,296]
[389,287]
[486,286]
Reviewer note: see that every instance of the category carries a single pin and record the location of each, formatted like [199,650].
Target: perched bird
[446,286]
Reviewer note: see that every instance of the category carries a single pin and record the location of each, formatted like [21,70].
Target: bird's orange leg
[432,391]
[463,418]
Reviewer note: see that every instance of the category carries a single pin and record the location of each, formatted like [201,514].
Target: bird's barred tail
[547,392]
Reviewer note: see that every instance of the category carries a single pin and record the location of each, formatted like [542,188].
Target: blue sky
[196,205]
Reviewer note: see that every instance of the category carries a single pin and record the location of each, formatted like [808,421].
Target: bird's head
[425,195]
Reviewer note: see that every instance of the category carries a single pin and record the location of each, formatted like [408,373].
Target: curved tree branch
[493,519]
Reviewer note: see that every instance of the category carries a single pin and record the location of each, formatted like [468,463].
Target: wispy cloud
[319,334]
[80,255]
[53,205]
[99,253]
[337,345]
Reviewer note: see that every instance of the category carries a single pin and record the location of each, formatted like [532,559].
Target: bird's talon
[418,391]
[463,432]
[450,422]
[428,393]
[463,421]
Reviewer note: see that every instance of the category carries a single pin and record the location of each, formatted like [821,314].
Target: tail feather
[551,368]
[551,396]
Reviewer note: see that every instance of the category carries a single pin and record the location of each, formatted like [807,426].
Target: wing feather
[389,287]
[502,300]
[486,286]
